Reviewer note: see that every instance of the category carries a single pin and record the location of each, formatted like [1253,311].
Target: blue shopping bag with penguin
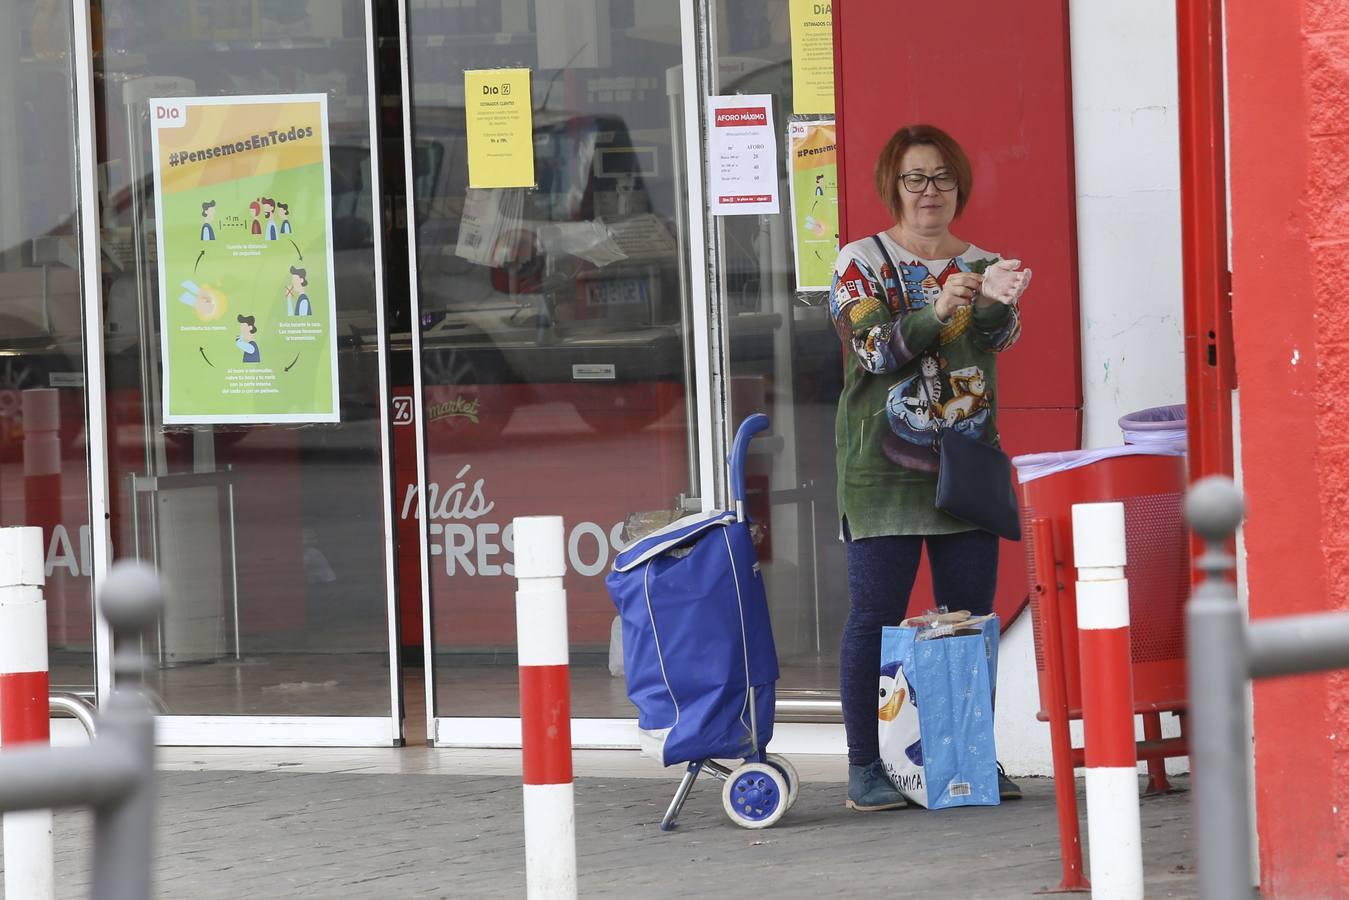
[935,710]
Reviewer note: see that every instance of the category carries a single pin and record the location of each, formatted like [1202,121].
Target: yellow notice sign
[812,56]
[500,128]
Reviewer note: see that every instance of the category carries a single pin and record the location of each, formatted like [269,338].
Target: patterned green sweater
[908,375]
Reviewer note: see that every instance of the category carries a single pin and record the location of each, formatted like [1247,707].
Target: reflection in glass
[553,325]
[270,537]
[785,361]
[43,469]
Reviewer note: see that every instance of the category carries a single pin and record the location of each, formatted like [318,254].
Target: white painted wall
[1023,741]
[1128,208]
[1128,230]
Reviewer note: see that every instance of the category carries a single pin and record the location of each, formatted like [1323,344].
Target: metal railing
[73,706]
[1226,651]
[115,773]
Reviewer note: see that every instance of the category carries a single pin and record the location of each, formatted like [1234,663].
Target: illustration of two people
[297,304]
[277,216]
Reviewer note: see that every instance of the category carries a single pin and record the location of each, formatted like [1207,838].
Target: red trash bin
[1151,487]
[1152,490]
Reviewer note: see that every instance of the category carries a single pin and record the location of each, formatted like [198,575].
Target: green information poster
[814,186]
[247,319]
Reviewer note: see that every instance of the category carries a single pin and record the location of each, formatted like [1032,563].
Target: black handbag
[974,484]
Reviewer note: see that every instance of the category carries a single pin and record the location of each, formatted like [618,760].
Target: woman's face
[930,211]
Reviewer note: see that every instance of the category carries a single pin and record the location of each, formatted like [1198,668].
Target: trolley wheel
[788,772]
[755,795]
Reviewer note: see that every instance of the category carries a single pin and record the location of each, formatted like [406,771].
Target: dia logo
[402,410]
[168,114]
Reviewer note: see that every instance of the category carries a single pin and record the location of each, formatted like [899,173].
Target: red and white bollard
[24,713]
[545,708]
[1113,828]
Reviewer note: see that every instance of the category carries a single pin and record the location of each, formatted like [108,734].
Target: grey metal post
[115,773]
[1217,677]
[1294,645]
[124,831]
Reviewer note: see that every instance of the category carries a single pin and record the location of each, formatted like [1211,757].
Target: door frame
[222,730]
[710,387]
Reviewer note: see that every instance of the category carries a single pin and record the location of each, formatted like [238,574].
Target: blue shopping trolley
[698,653]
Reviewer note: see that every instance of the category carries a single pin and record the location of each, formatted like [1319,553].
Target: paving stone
[260,835]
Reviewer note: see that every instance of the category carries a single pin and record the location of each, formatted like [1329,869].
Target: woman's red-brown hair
[889,164]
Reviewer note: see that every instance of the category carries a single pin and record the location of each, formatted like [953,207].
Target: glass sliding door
[43,451]
[246,392]
[555,365]
[784,357]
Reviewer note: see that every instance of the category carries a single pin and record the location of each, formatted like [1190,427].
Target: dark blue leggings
[881,572]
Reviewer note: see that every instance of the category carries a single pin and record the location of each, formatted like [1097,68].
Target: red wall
[1288,69]
[996,77]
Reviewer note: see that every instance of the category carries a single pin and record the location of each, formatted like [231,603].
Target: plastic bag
[935,709]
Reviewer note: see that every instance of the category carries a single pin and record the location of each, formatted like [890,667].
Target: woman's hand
[958,291]
[1003,283]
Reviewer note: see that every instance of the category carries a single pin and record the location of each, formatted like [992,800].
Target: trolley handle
[748,429]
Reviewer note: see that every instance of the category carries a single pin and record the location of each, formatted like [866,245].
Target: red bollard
[1113,827]
[24,712]
[545,707]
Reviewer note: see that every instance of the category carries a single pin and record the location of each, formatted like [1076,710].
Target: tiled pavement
[433,823]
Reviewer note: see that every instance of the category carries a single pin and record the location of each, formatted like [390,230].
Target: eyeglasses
[917,182]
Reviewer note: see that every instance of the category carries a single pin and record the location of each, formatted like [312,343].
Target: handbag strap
[904,300]
[885,255]
[929,400]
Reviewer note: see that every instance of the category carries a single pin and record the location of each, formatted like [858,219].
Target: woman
[924,314]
